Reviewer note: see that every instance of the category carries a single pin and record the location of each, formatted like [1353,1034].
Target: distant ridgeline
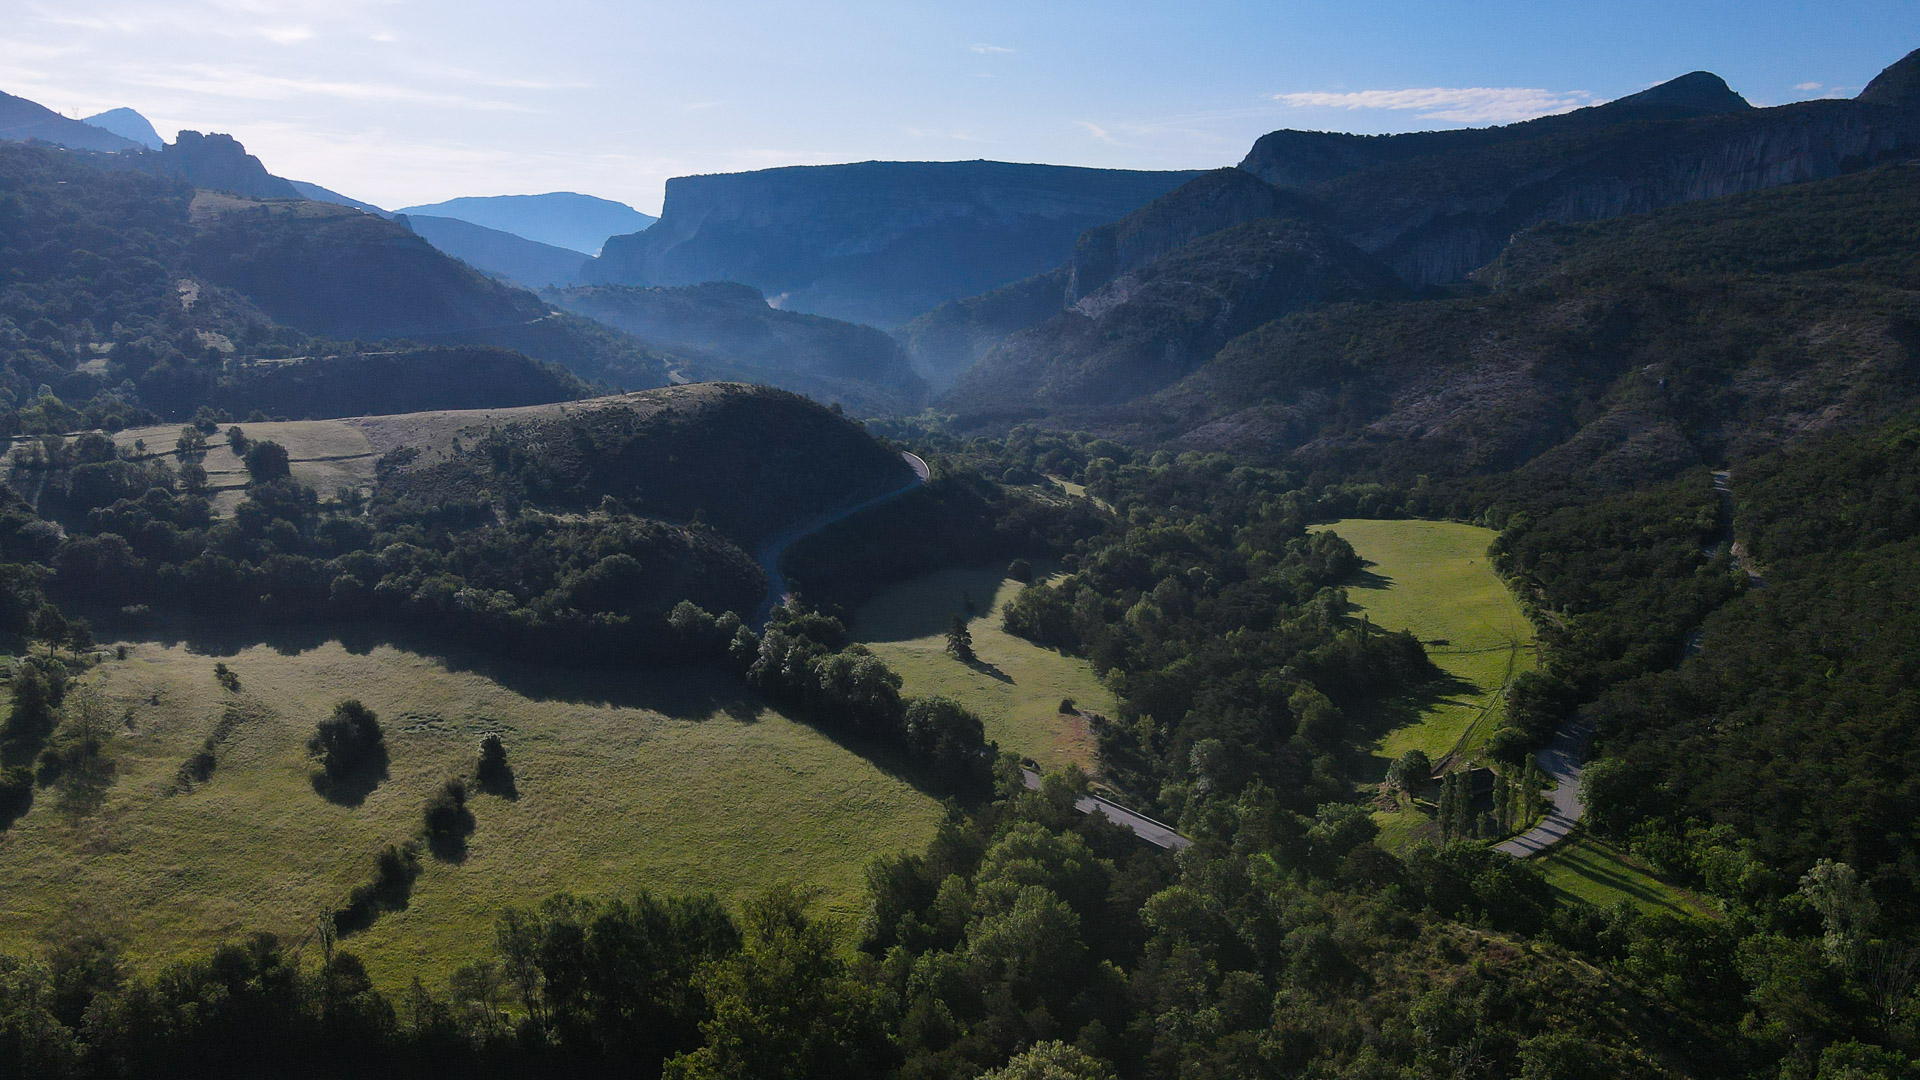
[1178,325]
[876,242]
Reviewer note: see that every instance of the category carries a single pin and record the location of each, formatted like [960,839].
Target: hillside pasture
[678,782]
[1015,685]
[1433,578]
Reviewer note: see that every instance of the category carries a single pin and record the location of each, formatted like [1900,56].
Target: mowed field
[1433,578]
[675,782]
[1015,685]
[1590,869]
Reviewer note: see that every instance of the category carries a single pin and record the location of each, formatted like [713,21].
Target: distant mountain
[559,218]
[1148,328]
[523,262]
[951,338]
[729,331]
[335,272]
[22,120]
[1434,207]
[1606,355]
[876,242]
[128,125]
[327,195]
[214,162]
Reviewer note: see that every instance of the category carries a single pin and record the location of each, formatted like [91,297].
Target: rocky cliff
[875,242]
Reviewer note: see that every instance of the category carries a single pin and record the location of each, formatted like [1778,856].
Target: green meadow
[1587,868]
[677,782]
[1015,685]
[1433,578]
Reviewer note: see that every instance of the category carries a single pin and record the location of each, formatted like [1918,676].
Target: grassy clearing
[1016,686]
[1433,578]
[676,782]
[324,454]
[1593,870]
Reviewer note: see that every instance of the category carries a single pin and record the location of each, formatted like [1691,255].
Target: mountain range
[565,219]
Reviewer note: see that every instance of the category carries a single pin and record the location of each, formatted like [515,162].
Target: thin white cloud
[239,83]
[1808,86]
[993,49]
[1098,132]
[1460,105]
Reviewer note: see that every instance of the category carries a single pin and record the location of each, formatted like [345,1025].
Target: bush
[492,772]
[448,821]
[1021,571]
[347,741]
[237,441]
[392,886]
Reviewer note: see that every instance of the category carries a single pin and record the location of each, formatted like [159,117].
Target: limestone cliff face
[219,163]
[875,242]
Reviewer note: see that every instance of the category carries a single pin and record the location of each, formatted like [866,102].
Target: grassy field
[676,782]
[1601,874]
[325,454]
[1432,577]
[1015,686]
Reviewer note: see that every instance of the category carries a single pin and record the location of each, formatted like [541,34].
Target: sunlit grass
[677,782]
[1016,686]
[1593,870]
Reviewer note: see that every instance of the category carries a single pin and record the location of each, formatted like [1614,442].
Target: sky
[399,102]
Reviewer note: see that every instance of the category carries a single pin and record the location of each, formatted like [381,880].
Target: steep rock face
[1438,205]
[218,163]
[1898,85]
[1148,328]
[728,330]
[1208,203]
[875,242]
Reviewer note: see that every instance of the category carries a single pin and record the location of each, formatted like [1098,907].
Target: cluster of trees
[802,661]
[1030,940]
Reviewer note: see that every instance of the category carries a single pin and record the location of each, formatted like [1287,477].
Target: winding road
[771,552]
[1562,761]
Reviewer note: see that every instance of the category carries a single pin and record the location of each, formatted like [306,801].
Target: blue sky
[405,102]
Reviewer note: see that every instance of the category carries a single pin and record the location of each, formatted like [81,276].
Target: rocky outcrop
[218,163]
[875,242]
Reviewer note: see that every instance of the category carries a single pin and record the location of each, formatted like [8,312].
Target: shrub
[1068,707]
[392,886]
[237,441]
[448,821]
[348,740]
[1021,571]
[492,772]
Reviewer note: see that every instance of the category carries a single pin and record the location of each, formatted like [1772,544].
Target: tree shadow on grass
[990,670]
[352,788]
[669,688]
[1373,721]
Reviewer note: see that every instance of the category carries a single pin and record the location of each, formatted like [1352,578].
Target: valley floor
[677,782]
[1015,685]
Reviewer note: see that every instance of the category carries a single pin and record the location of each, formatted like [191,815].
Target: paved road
[1562,763]
[1157,833]
[771,552]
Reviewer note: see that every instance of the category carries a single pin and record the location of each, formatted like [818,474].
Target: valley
[518,636]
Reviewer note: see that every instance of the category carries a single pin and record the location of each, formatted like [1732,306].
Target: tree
[785,1007]
[1410,769]
[237,441]
[347,740]
[493,772]
[960,640]
[267,461]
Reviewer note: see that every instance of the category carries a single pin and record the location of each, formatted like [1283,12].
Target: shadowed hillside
[729,328]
